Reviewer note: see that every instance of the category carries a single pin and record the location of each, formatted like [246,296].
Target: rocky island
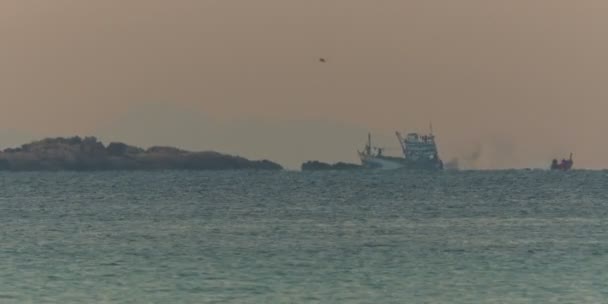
[89,154]
[321,166]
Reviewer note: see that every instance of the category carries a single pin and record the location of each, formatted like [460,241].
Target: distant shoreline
[321,166]
[89,154]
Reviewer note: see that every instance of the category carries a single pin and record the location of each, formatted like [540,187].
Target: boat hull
[393,163]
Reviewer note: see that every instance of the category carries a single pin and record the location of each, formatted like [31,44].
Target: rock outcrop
[89,154]
[321,166]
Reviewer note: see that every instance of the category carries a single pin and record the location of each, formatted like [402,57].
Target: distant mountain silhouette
[288,142]
[89,154]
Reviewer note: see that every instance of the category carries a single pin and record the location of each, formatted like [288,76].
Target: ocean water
[297,237]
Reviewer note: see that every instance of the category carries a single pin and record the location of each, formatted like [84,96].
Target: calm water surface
[290,237]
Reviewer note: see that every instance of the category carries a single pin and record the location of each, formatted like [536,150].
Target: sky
[514,83]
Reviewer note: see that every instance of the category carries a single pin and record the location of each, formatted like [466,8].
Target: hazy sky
[521,81]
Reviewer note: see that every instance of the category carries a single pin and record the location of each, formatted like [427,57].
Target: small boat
[564,165]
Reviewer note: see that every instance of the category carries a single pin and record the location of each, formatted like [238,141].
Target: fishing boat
[419,151]
[564,165]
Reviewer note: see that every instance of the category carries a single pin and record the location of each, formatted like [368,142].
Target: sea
[511,236]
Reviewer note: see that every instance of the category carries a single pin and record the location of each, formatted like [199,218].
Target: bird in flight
[322,60]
